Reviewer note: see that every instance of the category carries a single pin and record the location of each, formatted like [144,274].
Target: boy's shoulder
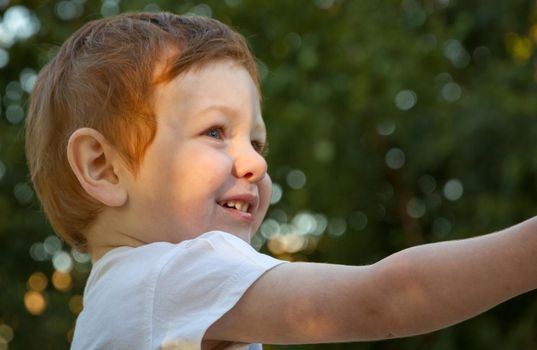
[161,283]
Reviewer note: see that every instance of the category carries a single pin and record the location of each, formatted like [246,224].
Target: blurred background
[391,124]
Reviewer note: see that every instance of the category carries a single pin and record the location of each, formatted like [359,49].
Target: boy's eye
[215,133]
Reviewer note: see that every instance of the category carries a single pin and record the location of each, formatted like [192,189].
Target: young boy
[144,142]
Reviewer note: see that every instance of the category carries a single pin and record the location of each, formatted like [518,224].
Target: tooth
[231,204]
[238,206]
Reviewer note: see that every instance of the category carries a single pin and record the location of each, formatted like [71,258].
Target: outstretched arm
[417,290]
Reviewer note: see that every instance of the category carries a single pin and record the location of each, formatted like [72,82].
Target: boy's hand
[415,291]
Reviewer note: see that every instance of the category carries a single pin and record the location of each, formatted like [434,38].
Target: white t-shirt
[165,296]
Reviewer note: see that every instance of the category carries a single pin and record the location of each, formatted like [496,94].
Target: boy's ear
[97,166]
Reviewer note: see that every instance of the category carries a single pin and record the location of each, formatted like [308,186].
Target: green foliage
[412,121]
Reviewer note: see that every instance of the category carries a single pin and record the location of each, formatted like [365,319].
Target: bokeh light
[23,192]
[395,158]
[81,258]
[4,58]
[386,128]
[451,92]
[76,304]
[6,335]
[358,220]
[14,114]
[453,190]
[277,193]
[62,281]
[337,227]
[109,8]
[406,99]
[70,9]
[35,302]
[415,208]
[52,244]
[2,169]
[456,53]
[62,261]
[427,184]
[324,150]
[38,252]
[18,23]
[27,79]
[38,282]
[296,179]
[441,227]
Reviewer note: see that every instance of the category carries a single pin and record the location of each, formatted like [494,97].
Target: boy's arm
[415,291]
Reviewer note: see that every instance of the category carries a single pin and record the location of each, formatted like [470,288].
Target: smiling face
[204,170]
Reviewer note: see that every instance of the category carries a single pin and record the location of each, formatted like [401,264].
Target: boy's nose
[250,165]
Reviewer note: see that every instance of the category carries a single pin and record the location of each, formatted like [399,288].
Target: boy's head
[105,78]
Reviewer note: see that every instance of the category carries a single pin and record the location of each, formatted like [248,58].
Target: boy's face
[204,170]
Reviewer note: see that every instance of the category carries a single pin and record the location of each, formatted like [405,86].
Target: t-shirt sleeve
[199,281]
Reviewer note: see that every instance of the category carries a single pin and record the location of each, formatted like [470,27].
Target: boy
[152,126]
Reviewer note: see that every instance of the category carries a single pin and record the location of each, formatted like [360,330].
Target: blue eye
[215,133]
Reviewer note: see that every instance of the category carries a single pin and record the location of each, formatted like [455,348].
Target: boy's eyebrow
[258,127]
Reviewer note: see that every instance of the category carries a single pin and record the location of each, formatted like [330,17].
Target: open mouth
[237,205]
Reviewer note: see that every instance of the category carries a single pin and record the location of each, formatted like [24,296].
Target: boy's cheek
[265,194]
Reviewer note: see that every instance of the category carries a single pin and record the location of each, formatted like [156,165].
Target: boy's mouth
[236,204]
[244,203]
